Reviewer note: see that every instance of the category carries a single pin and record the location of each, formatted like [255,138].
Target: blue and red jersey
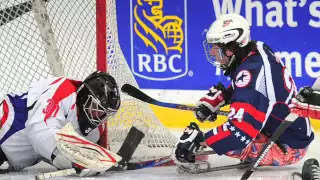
[262,88]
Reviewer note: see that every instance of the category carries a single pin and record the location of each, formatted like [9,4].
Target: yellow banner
[175,118]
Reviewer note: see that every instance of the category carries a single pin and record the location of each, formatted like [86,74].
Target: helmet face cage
[98,99]
[215,54]
[95,112]
[227,30]
[105,90]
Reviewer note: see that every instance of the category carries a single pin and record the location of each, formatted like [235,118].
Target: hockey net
[42,38]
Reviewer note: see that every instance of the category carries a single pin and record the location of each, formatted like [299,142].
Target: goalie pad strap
[59,161]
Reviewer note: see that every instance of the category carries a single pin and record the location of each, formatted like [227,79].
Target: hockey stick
[129,146]
[283,126]
[138,94]
[165,161]
[130,166]
[65,172]
[160,162]
[217,168]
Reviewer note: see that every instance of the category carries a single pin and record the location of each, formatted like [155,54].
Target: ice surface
[170,173]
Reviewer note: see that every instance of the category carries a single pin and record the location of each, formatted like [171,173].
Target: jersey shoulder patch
[243,78]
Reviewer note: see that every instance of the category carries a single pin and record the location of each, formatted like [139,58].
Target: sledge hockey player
[44,122]
[260,92]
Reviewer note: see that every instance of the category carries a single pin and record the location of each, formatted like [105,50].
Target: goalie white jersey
[30,120]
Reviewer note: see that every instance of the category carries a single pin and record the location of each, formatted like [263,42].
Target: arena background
[162,42]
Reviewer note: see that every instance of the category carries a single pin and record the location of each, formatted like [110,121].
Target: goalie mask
[229,32]
[98,99]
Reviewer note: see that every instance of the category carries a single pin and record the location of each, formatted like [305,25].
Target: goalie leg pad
[83,152]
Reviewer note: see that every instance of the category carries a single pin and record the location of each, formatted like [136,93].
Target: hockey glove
[210,103]
[306,103]
[189,144]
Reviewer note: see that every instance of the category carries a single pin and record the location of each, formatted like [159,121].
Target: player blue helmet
[230,31]
[98,99]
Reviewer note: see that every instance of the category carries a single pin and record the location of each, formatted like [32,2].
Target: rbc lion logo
[158,43]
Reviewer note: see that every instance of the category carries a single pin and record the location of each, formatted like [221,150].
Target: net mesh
[58,37]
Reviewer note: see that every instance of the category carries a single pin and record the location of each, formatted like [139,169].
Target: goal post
[42,38]
[101,25]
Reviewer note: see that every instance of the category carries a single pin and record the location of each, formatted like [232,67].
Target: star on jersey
[243,78]
[237,134]
[243,138]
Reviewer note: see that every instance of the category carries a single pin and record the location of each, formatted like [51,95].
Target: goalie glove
[306,103]
[210,103]
[189,144]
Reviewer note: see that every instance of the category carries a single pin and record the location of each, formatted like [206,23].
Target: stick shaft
[138,94]
[61,173]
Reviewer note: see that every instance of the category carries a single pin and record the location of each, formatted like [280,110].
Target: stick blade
[136,93]
[126,88]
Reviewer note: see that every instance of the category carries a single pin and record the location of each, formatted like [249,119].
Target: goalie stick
[130,166]
[60,173]
[129,146]
[283,126]
[138,94]
[161,162]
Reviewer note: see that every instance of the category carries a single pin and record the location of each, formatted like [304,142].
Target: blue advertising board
[162,39]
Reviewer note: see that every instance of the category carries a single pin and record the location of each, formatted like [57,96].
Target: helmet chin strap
[228,67]
[233,57]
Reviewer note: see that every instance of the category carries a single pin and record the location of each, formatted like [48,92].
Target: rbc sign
[158,40]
